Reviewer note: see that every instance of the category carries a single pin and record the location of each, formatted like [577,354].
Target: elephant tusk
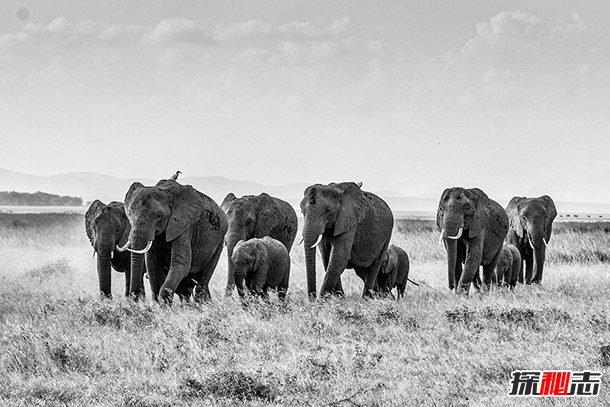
[93,255]
[122,249]
[440,238]
[545,243]
[317,241]
[144,250]
[531,244]
[457,236]
[300,241]
[112,254]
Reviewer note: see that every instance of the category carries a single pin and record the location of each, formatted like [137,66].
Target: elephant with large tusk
[473,228]
[256,216]
[352,229]
[531,225]
[107,227]
[181,233]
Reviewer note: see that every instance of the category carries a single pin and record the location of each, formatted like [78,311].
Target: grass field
[61,346]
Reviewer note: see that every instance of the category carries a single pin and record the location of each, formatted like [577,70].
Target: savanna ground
[61,346]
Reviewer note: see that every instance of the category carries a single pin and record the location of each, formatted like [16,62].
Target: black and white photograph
[340,203]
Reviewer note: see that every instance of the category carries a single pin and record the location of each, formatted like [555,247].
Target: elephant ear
[392,261]
[132,189]
[268,213]
[481,203]
[187,206]
[228,199]
[119,208]
[260,255]
[551,213]
[441,209]
[354,205]
[514,216]
[95,209]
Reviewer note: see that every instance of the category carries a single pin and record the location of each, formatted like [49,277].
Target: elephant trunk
[453,226]
[136,289]
[103,275]
[451,262]
[231,240]
[539,248]
[311,235]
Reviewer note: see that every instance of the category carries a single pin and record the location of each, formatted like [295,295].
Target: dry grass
[60,345]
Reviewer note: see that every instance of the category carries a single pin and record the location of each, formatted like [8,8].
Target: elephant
[181,232]
[508,266]
[257,216]
[264,263]
[531,225]
[394,272]
[473,228]
[107,226]
[351,227]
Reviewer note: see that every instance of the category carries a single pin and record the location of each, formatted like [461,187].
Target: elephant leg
[529,265]
[325,250]
[203,290]
[371,276]
[127,280]
[476,279]
[156,274]
[489,269]
[339,257]
[471,266]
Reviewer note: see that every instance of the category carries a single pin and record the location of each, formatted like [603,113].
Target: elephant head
[249,257]
[107,226]
[166,211]
[461,214]
[329,210]
[386,279]
[532,220]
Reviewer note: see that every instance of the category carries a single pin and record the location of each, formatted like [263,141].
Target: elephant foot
[166,296]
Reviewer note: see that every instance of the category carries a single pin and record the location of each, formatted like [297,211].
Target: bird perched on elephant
[263,263]
[257,216]
[473,228]
[352,229]
[107,226]
[181,231]
[531,226]
[508,266]
[394,272]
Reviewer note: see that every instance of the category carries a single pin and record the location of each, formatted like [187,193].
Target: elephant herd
[474,229]
[174,235]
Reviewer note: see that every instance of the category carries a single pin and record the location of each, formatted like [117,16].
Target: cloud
[178,30]
[61,32]
[518,59]
[294,30]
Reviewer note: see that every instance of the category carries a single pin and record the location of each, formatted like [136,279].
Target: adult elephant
[107,226]
[351,227]
[256,216]
[531,225]
[473,228]
[181,231]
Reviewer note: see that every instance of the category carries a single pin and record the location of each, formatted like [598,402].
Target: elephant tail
[412,282]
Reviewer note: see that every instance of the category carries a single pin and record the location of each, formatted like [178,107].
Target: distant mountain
[90,186]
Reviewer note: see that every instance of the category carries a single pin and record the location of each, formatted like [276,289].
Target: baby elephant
[508,267]
[264,263]
[394,272]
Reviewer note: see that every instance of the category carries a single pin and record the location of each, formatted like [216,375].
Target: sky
[408,96]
